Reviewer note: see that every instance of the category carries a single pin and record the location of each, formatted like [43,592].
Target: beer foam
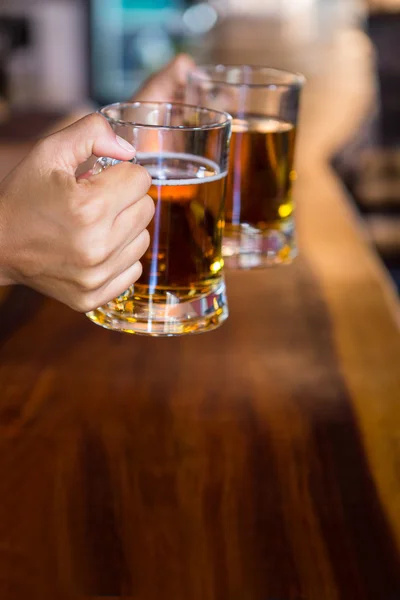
[195,181]
[184,158]
[255,124]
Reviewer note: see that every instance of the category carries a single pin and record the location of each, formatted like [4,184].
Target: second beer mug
[264,103]
[182,288]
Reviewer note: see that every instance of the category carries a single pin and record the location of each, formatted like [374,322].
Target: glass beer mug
[182,287]
[264,104]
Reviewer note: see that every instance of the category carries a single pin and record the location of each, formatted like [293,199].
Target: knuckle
[141,179]
[92,256]
[132,180]
[90,279]
[146,177]
[84,211]
[97,122]
[84,303]
[88,252]
[149,207]
[140,247]
[135,272]
[144,241]
[139,269]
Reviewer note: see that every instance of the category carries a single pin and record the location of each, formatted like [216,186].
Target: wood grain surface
[257,462]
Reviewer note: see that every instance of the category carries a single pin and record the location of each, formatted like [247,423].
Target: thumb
[73,145]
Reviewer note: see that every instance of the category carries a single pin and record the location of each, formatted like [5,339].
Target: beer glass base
[246,247]
[172,318]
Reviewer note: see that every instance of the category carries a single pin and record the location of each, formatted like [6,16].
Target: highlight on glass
[264,103]
[182,287]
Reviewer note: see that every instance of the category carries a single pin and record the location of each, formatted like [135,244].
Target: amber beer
[184,260]
[259,187]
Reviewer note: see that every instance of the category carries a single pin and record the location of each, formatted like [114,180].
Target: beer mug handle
[104,163]
[100,165]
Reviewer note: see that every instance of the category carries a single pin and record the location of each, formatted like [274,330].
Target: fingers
[118,188]
[123,260]
[112,290]
[131,222]
[70,147]
[103,256]
[94,284]
[94,244]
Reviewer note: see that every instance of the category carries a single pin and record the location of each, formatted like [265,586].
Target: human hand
[168,84]
[79,241]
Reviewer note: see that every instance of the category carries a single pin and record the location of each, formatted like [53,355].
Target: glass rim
[116,105]
[297,79]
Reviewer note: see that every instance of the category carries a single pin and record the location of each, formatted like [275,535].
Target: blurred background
[58,56]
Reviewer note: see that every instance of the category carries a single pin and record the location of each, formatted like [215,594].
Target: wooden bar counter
[257,462]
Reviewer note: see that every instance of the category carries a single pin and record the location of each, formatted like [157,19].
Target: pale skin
[80,241]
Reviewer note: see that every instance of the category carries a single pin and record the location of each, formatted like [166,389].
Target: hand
[79,241]
[167,85]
